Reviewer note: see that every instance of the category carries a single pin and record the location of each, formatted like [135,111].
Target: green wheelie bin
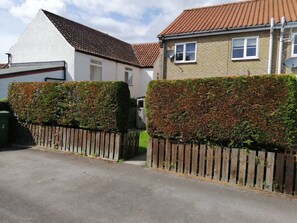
[4,120]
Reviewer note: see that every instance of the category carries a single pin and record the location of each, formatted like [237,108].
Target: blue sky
[133,21]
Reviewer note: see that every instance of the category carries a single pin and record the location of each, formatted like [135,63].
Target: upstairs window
[294,45]
[95,70]
[129,76]
[245,48]
[185,52]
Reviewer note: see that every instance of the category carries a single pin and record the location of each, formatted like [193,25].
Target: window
[245,48]
[129,76]
[294,45]
[95,70]
[185,52]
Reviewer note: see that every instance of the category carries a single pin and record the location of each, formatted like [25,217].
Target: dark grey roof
[87,40]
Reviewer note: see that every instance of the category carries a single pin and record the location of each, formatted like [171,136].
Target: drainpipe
[270,46]
[58,79]
[164,58]
[281,43]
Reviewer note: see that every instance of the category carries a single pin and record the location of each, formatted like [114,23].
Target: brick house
[242,38]
[77,53]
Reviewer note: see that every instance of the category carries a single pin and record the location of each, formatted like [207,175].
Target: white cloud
[29,8]
[5,4]
[129,20]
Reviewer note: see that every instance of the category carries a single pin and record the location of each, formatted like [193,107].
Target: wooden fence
[267,171]
[112,146]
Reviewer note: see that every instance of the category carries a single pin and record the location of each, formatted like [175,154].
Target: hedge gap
[249,111]
[91,105]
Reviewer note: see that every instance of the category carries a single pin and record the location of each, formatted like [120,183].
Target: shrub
[90,105]
[241,111]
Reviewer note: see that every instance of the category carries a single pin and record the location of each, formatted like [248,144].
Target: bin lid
[4,112]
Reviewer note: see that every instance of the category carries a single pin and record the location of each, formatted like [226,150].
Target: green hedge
[239,111]
[91,105]
[4,104]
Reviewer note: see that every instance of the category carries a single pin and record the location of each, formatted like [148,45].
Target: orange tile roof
[243,14]
[146,53]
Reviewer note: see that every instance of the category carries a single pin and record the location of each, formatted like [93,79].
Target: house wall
[111,71]
[38,77]
[214,57]
[146,75]
[41,41]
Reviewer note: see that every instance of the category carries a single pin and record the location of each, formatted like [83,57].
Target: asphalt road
[42,186]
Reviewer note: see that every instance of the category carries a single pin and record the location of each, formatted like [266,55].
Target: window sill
[184,62]
[246,58]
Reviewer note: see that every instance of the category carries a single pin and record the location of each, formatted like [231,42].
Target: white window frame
[184,53]
[95,63]
[245,57]
[294,35]
[129,71]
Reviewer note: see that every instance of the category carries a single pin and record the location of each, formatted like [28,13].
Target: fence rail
[267,171]
[112,146]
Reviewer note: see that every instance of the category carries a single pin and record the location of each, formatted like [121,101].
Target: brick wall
[214,57]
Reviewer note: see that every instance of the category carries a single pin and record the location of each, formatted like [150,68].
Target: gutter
[58,79]
[224,31]
[270,46]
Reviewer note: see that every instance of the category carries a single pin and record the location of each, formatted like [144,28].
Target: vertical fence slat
[217,165]
[242,166]
[155,153]
[111,146]
[234,166]
[161,153]
[167,154]
[260,170]
[107,144]
[73,140]
[174,157]
[225,164]
[149,152]
[295,191]
[39,135]
[202,160]
[88,142]
[188,150]
[68,141]
[195,151]
[251,168]
[102,139]
[289,176]
[45,136]
[80,141]
[209,162]
[64,147]
[118,146]
[269,171]
[97,143]
[76,135]
[181,153]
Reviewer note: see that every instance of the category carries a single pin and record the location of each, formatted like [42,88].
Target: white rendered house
[86,54]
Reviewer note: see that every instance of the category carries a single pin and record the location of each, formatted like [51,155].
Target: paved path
[40,186]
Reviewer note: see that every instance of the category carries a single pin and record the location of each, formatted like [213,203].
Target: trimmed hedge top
[241,111]
[92,105]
